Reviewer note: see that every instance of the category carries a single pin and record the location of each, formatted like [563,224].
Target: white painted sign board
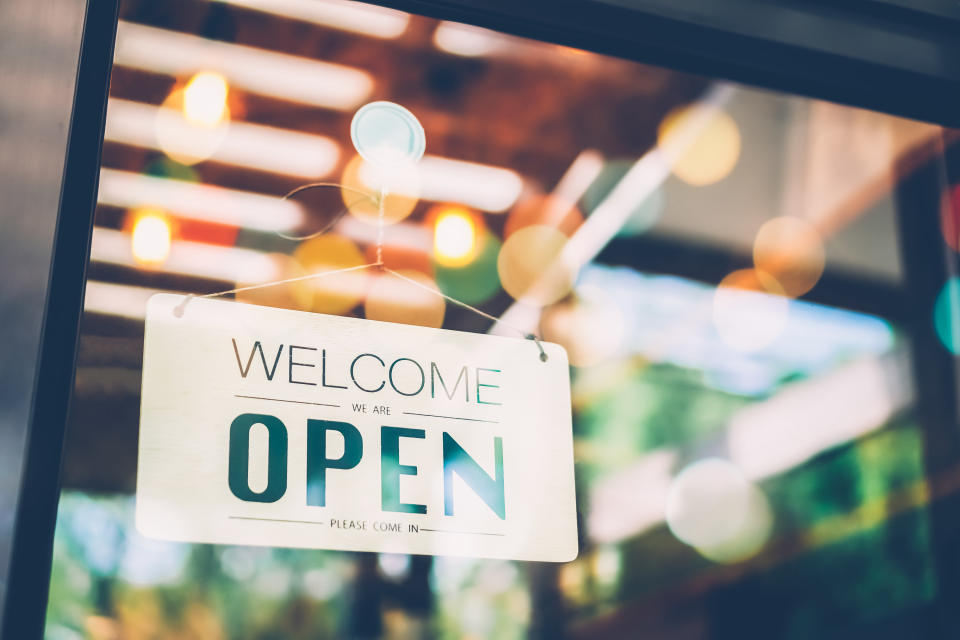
[266,426]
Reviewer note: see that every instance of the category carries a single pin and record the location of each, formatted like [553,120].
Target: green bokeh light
[477,281]
[946,315]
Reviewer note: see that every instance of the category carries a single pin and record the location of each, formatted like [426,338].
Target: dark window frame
[815,49]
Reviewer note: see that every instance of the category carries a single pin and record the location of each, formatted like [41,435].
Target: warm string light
[454,237]
[192,123]
[205,99]
[151,237]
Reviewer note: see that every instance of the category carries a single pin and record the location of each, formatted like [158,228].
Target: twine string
[381,214]
[381,205]
[314,185]
[178,310]
[479,312]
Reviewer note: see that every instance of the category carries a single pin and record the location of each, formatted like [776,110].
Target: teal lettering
[423,378]
[490,490]
[434,370]
[263,358]
[489,386]
[318,462]
[323,379]
[354,377]
[293,364]
[238,470]
[391,469]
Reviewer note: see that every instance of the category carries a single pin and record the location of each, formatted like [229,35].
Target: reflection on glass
[723,266]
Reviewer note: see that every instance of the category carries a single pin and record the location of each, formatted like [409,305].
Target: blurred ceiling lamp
[613,212]
[474,185]
[627,502]
[294,78]
[454,237]
[357,17]
[706,156]
[243,144]
[791,251]
[196,259]
[467,40]
[713,508]
[130,190]
[749,310]
[812,415]
[117,299]
[480,186]
[150,238]
[205,99]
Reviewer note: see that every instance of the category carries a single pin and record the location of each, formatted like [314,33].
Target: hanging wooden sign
[266,426]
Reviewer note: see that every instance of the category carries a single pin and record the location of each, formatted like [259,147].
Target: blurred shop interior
[754,332]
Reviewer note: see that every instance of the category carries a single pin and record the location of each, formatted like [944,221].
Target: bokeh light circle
[531,268]
[340,292]
[393,299]
[701,142]
[362,185]
[205,99]
[182,140]
[790,250]
[946,315]
[715,509]
[151,237]
[454,236]
[749,310]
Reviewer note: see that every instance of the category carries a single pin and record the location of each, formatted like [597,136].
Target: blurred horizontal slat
[237,143]
[201,201]
[280,75]
[197,259]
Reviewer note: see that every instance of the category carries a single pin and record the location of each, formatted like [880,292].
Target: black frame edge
[31,558]
[695,44]
[645,38]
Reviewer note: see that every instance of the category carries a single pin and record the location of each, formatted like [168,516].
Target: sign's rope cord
[381,214]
